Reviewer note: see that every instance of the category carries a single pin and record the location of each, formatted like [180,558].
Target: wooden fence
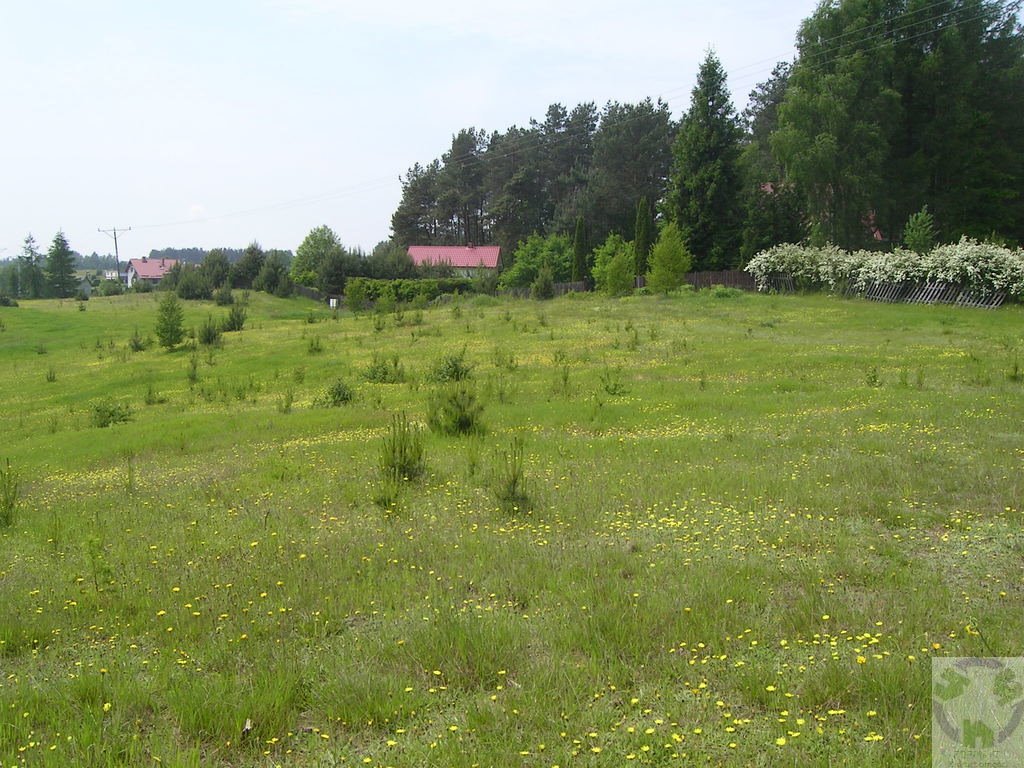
[933,293]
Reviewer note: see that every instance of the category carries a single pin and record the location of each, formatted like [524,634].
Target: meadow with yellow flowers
[711,528]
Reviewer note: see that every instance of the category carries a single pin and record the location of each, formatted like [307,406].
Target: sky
[213,124]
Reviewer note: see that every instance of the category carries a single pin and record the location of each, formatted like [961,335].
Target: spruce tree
[60,267]
[670,260]
[170,320]
[705,195]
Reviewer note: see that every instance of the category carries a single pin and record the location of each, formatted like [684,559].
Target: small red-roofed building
[151,271]
[465,260]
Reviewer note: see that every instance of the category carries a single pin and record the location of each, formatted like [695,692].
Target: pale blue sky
[217,123]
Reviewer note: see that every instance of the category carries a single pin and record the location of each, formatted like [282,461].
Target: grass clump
[337,394]
[451,367]
[106,413]
[402,449]
[385,370]
[209,332]
[8,494]
[455,410]
[508,481]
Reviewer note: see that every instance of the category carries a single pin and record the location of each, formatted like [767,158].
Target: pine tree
[670,260]
[170,320]
[642,235]
[705,186]
[60,267]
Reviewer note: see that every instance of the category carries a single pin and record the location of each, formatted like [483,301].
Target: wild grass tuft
[9,485]
[402,451]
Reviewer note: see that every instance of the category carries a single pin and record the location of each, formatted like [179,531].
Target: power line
[112,232]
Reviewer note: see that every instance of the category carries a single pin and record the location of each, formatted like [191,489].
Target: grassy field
[748,524]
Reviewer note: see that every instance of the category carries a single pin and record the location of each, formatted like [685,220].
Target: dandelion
[781,741]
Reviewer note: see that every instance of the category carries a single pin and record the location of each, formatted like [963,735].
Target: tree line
[890,107]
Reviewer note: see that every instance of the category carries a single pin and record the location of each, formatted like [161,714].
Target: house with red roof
[465,260]
[151,271]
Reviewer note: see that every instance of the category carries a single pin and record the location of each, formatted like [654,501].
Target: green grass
[737,520]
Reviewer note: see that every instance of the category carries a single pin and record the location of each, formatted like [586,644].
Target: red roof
[151,269]
[460,256]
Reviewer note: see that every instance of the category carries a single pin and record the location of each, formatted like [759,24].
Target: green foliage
[385,370]
[273,277]
[216,268]
[209,332]
[318,247]
[508,479]
[136,343]
[451,367]
[170,322]
[402,451]
[223,296]
[193,284]
[60,268]
[455,410]
[417,292]
[106,413]
[919,233]
[535,252]
[337,394]
[111,288]
[544,286]
[614,267]
[9,488]
[705,195]
[244,271]
[670,260]
[643,235]
[356,295]
[579,251]
[235,319]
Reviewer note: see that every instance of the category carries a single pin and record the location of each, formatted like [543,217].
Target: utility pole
[112,232]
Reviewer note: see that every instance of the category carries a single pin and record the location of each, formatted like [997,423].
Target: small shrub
[136,343]
[315,346]
[235,320]
[284,403]
[51,375]
[721,292]
[455,410]
[8,494]
[379,323]
[508,481]
[223,296]
[7,301]
[402,450]
[544,286]
[209,332]
[109,412]
[339,393]
[451,367]
[385,370]
[152,397]
[611,381]
[192,374]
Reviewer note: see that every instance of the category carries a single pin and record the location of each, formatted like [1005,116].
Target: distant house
[465,260]
[151,271]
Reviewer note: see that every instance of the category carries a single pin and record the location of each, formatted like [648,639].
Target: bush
[451,367]
[7,301]
[192,284]
[111,288]
[402,450]
[209,332]
[544,286]
[136,343]
[235,320]
[455,410]
[223,296]
[109,412]
[339,393]
[384,370]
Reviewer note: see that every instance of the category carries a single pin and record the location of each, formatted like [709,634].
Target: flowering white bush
[980,267]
